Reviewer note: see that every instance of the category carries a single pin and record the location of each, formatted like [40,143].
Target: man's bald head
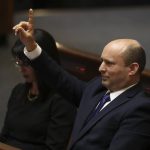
[131,51]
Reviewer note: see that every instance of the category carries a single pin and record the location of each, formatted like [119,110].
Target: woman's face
[26,71]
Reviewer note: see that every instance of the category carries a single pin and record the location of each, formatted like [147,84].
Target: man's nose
[102,67]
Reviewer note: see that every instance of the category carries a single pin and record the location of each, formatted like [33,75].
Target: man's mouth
[104,77]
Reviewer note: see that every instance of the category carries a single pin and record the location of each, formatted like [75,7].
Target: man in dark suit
[121,123]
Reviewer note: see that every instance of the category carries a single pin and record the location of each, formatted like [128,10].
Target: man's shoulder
[141,99]
[95,80]
[94,86]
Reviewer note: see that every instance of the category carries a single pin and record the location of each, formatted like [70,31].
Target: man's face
[114,72]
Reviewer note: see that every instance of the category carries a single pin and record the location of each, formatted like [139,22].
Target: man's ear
[134,68]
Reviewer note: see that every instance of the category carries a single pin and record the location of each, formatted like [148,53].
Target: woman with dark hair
[37,118]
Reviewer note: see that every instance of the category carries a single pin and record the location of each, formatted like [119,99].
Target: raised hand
[25,31]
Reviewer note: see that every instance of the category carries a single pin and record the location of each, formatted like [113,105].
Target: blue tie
[99,106]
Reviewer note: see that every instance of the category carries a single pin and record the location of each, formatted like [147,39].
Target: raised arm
[50,72]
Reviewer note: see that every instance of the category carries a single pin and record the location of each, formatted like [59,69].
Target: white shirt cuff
[34,54]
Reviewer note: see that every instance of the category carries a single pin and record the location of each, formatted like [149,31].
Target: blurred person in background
[38,118]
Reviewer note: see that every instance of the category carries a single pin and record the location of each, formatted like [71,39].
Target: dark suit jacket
[124,124]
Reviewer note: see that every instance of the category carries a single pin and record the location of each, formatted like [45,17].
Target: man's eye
[109,63]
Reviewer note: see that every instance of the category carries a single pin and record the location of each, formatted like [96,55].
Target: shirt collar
[115,94]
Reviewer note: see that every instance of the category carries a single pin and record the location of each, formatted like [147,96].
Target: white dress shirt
[115,94]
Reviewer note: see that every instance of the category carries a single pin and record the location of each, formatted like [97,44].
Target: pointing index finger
[30,16]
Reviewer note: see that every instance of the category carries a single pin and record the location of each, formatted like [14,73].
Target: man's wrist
[31,46]
[34,53]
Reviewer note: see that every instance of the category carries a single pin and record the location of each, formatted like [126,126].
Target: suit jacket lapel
[89,107]
[84,111]
[120,100]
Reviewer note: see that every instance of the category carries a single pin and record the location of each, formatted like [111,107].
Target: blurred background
[85,25]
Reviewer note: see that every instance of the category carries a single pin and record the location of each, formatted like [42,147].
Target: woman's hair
[44,40]
[48,44]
